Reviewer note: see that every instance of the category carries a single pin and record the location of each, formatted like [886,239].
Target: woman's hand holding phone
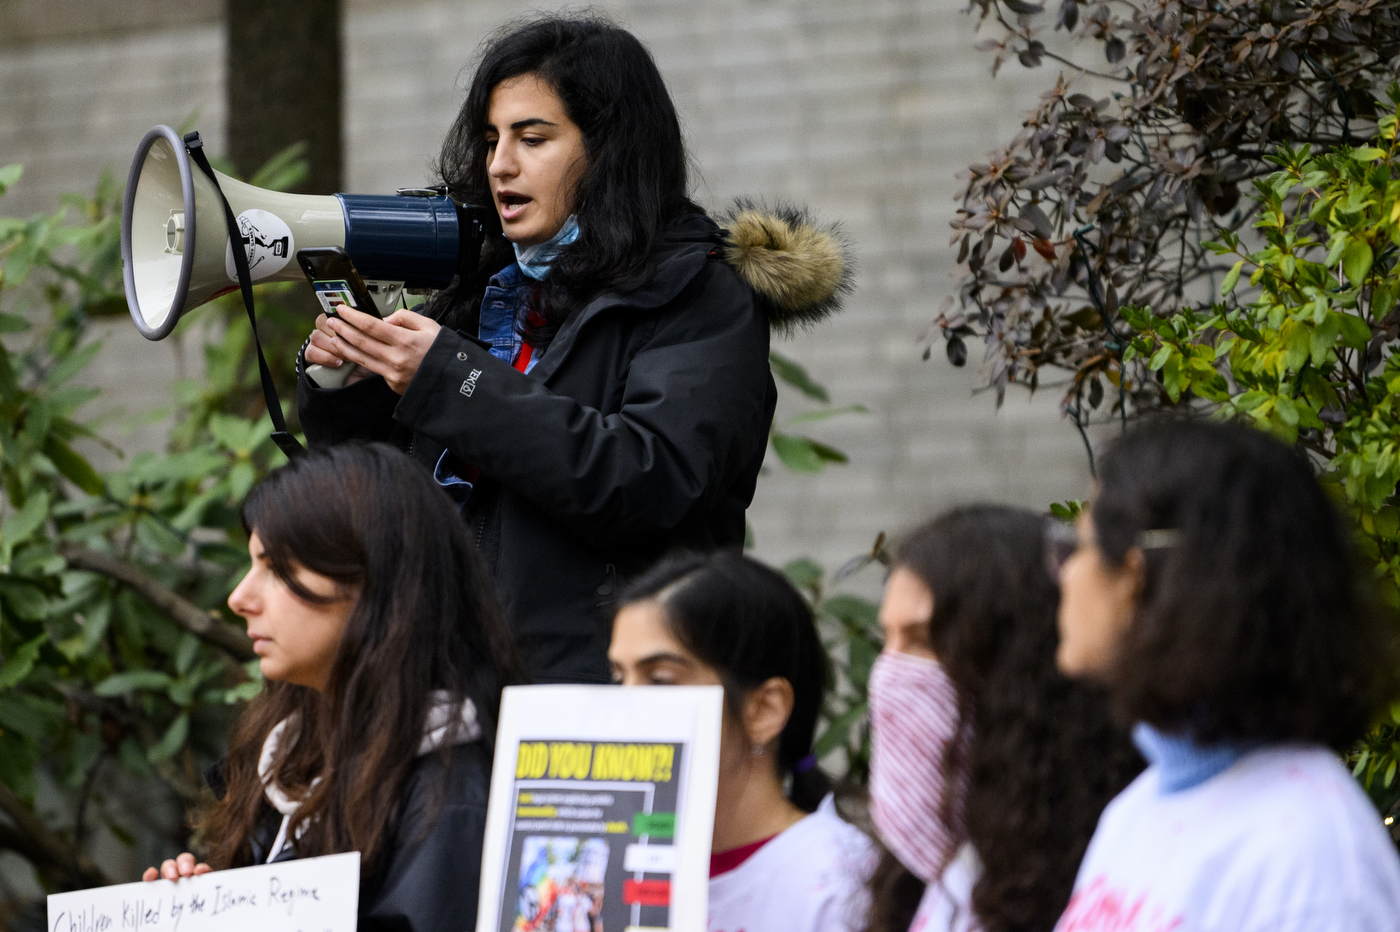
[321,350]
[393,347]
[174,868]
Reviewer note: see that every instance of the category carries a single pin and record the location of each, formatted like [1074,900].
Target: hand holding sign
[173,869]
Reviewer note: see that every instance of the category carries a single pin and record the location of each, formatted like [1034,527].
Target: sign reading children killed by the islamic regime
[602,807]
[308,895]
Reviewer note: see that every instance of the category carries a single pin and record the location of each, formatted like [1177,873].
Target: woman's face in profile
[1097,604]
[534,159]
[295,640]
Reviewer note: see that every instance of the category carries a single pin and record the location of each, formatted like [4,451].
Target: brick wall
[864,111]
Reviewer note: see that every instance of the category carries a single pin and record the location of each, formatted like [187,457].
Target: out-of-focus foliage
[798,452]
[1108,197]
[851,632]
[1303,343]
[119,669]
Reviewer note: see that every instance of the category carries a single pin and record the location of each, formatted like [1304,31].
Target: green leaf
[1368,154]
[1287,410]
[1356,261]
[1159,358]
[839,731]
[1356,333]
[1232,278]
[822,414]
[797,453]
[173,740]
[1324,335]
[9,175]
[793,374]
[19,526]
[804,573]
[828,453]
[120,683]
[73,466]
[19,664]
[73,363]
[1299,348]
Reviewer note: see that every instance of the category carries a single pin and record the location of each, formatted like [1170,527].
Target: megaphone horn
[177,252]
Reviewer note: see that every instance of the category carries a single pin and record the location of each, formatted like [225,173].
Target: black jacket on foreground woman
[432,859]
[641,428]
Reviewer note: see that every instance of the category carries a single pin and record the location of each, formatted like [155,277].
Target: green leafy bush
[1302,345]
[116,652]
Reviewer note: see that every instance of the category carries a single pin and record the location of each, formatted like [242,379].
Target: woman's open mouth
[512,205]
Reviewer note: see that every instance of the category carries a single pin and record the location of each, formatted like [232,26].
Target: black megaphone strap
[280,435]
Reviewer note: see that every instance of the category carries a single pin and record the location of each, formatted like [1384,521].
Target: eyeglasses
[1062,540]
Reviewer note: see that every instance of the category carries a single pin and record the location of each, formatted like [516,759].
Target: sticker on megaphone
[268,241]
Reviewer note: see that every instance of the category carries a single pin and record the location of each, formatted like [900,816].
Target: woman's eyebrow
[532,121]
[664,657]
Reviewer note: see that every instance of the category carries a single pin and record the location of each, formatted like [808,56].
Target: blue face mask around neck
[536,260]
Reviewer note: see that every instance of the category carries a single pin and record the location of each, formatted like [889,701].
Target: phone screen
[333,292]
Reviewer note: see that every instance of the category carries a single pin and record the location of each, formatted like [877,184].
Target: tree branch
[32,838]
[207,626]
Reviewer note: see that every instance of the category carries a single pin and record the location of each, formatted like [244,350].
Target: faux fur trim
[800,269]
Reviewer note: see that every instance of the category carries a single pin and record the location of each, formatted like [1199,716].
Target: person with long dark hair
[384,658]
[1215,590]
[780,859]
[598,392]
[989,768]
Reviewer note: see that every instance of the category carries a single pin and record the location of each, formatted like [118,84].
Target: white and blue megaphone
[177,253]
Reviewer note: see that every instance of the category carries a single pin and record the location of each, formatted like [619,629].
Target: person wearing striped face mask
[989,768]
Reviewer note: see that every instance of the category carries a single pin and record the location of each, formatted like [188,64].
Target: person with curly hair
[989,768]
[1215,591]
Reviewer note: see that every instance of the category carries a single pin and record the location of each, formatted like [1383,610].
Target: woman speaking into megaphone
[600,392]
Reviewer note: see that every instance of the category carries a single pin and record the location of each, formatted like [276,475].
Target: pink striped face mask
[914,719]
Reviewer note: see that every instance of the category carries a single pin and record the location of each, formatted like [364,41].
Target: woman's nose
[502,164]
[241,599]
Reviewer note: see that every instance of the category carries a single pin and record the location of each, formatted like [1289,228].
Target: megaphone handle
[326,377]
[280,435]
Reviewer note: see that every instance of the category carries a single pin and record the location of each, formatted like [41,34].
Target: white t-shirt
[810,878]
[946,905]
[1284,841]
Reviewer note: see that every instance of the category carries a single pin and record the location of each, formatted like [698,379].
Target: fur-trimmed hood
[801,270]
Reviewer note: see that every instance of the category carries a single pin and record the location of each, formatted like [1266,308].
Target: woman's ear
[767,708]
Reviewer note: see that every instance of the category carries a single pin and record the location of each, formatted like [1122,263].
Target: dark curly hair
[634,184]
[1257,624]
[1045,754]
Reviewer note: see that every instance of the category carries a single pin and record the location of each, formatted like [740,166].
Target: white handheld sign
[602,806]
[309,895]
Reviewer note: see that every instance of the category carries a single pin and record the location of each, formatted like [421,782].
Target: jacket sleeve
[693,412]
[431,880]
[362,411]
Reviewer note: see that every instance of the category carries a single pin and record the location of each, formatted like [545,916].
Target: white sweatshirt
[809,878]
[1281,841]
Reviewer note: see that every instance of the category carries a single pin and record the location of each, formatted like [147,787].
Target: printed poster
[602,807]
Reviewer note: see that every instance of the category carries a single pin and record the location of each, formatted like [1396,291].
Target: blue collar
[1181,762]
[535,260]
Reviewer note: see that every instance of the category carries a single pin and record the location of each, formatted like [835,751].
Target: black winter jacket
[642,427]
[428,882]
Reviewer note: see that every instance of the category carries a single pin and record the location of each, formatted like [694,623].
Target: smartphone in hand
[334,279]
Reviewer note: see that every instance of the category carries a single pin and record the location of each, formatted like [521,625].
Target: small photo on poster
[562,884]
